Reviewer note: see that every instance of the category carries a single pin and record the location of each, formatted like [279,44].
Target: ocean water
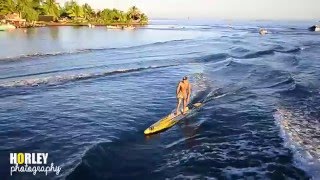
[85,96]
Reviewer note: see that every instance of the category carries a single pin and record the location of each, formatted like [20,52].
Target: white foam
[299,134]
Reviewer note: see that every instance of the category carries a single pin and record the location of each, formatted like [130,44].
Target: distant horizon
[217,9]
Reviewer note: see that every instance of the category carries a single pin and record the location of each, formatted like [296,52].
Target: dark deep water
[85,96]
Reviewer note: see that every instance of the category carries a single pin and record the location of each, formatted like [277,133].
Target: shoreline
[91,25]
[86,24]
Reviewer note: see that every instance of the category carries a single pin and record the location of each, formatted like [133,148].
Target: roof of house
[14,17]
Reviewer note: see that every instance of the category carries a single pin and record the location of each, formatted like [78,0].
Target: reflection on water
[75,38]
[54,33]
[31,32]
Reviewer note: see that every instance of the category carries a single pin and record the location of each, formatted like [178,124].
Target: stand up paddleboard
[169,120]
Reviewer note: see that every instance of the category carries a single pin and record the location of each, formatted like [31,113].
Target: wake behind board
[169,121]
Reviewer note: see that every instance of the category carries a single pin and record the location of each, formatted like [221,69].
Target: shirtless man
[183,94]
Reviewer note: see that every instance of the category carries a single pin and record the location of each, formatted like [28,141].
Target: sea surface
[85,96]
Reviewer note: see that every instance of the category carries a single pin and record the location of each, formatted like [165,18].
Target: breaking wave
[53,80]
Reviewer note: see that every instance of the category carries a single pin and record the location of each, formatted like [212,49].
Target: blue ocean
[85,96]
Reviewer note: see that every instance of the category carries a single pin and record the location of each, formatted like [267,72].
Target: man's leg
[178,106]
[184,105]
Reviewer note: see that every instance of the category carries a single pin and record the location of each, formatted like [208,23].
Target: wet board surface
[170,120]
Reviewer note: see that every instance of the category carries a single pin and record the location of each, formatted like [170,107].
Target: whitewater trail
[301,134]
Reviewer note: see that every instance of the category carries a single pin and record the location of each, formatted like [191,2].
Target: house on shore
[15,20]
[46,18]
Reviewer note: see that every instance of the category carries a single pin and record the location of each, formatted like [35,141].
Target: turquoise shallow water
[85,96]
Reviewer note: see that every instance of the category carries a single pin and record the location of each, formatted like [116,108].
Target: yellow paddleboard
[168,121]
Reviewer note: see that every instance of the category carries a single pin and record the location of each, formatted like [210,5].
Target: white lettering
[39,158]
[13,158]
[45,158]
[27,159]
[33,158]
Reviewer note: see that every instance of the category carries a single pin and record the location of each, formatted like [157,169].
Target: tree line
[31,9]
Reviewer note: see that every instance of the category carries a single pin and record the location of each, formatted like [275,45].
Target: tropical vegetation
[71,10]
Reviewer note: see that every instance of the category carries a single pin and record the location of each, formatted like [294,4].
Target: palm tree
[134,13]
[87,11]
[106,15]
[50,7]
[8,7]
[65,11]
[37,5]
[144,19]
[115,15]
[75,11]
[123,17]
[26,9]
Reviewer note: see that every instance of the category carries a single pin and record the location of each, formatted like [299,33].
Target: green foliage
[27,9]
[50,7]
[30,9]
[112,16]
[88,12]
[7,7]
[75,11]
[134,13]
[144,19]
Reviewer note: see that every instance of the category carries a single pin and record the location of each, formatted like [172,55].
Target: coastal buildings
[15,20]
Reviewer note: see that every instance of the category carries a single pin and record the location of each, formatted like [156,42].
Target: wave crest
[53,80]
[77,51]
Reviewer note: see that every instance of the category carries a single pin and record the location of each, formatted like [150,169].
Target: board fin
[197,104]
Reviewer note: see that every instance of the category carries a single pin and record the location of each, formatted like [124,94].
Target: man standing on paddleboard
[183,94]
